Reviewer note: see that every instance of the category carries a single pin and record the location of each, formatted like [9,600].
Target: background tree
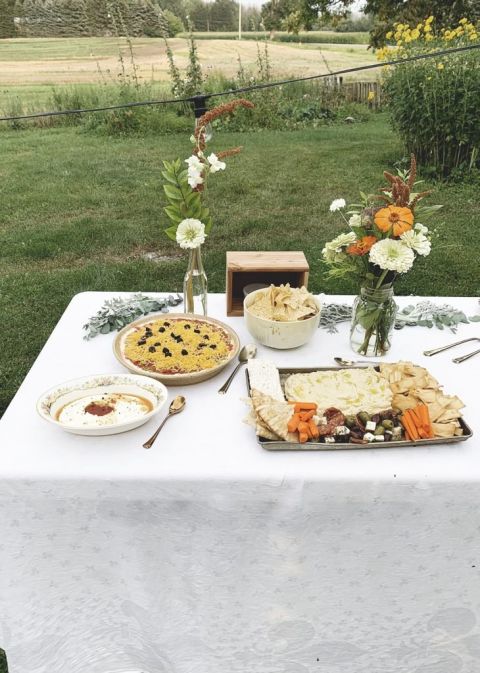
[251,18]
[199,15]
[7,25]
[173,23]
[224,15]
[275,12]
[446,13]
[179,8]
[387,12]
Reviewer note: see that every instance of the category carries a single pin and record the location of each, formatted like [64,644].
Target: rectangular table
[208,554]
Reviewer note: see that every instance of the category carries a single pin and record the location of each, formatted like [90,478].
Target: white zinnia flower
[421,228]
[417,241]
[333,250]
[337,204]
[355,220]
[215,163]
[190,233]
[392,255]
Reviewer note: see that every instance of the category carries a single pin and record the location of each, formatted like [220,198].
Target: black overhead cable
[199,100]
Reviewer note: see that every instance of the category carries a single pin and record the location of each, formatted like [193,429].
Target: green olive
[387,424]
[350,421]
[364,417]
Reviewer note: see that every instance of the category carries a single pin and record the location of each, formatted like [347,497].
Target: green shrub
[3,662]
[311,37]
[174,25]
[434,102]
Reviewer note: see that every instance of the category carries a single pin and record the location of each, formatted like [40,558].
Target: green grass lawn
[79,211]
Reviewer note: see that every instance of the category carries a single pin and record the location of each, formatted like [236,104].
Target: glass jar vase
[195,287]
[373,320]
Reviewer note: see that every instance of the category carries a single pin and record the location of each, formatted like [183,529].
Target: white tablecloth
[208,554]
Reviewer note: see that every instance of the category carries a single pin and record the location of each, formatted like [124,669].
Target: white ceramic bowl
[281,335]
[52,401]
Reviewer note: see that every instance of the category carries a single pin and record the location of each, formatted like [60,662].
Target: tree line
[151,18]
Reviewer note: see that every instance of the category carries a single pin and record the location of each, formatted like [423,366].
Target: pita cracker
[274,414]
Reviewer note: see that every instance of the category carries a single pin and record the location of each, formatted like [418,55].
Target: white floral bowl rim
[156,388]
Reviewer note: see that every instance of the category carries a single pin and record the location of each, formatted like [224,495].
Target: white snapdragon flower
[417,241]
[355,220]
[337,204]
[194,162]
[190,233]
[215,163]
[334,250]
[194,178]
[392,255]
[195,171]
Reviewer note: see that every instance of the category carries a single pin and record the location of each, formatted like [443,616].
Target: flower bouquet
[185,189]
[384,240]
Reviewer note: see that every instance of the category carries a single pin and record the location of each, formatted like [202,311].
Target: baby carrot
[409,425]
[305,406]
[307,415]
[313,429]
[303,437]
[293,423]
[303,428]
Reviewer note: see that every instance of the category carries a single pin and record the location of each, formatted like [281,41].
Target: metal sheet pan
[281,445]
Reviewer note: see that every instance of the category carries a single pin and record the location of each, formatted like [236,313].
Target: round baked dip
[177,346]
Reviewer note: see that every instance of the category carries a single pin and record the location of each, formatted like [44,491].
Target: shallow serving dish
[153,395]
[175,379]
[280,335]
[282,445]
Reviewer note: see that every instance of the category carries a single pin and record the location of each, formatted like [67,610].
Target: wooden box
[262,267]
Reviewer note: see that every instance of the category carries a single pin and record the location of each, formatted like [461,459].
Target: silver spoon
[176,406]
[247,353]
[354,363]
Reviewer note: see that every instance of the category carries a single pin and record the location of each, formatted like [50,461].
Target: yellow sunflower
[396,217]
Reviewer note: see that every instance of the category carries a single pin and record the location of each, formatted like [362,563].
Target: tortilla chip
[283,304]
[444,429]
[412,385]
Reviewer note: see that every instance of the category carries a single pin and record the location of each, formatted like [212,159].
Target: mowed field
[56,61]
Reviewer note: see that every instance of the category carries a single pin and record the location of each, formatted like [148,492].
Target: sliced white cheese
[265,378]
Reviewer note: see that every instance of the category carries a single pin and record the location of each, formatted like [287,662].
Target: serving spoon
[176,406]
[247,353]
[354,363]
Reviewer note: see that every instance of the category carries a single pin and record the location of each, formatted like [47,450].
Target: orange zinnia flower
[362,246]
[401,219]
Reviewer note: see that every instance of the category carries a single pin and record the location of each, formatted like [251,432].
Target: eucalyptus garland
[118,312]
[423,314]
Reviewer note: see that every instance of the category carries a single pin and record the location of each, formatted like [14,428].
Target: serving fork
[462,358]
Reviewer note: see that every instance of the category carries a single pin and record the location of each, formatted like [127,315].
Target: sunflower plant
[434,102]
[386,235]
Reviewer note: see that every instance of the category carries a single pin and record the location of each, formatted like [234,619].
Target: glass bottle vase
[195,290]
[373,320]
